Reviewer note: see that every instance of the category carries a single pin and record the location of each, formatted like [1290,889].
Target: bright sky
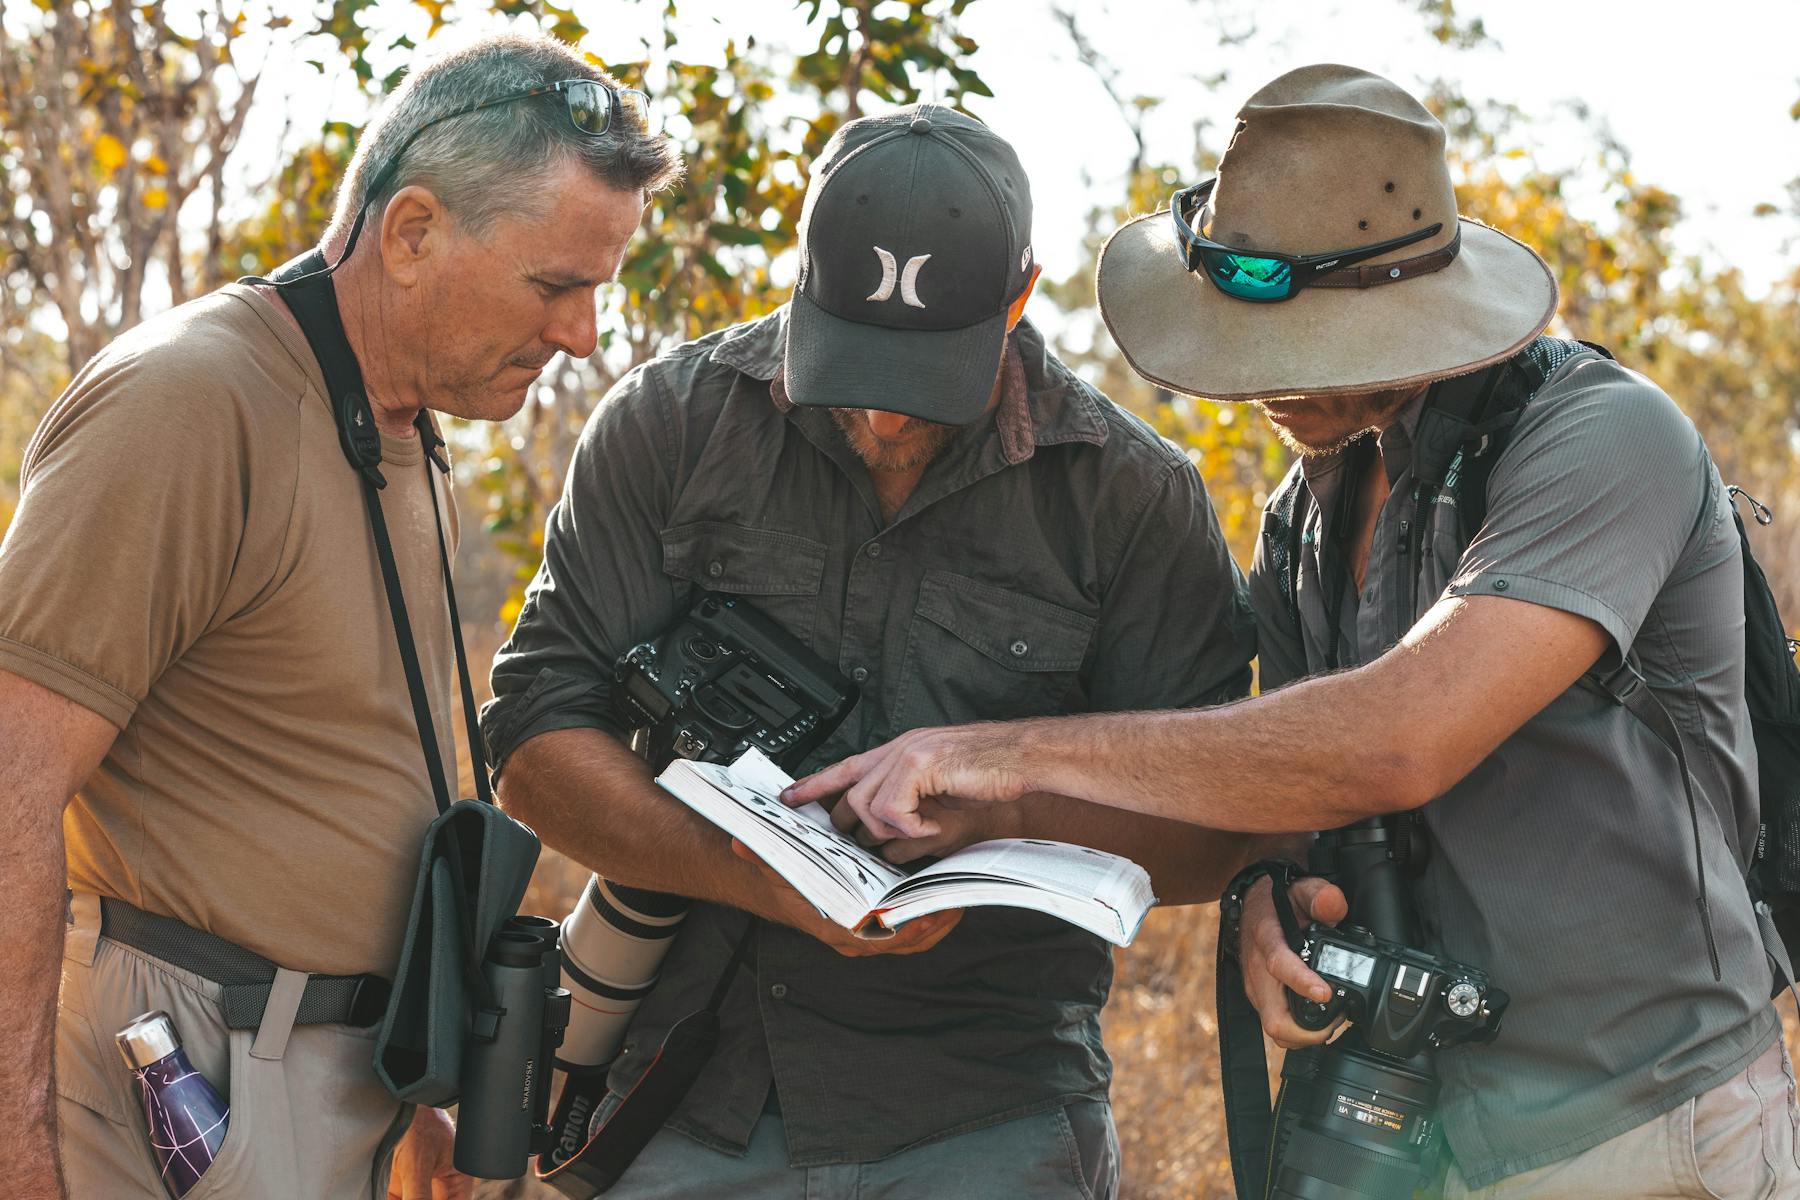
[1699,95]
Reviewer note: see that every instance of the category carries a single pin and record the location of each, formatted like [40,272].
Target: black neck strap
[305,285]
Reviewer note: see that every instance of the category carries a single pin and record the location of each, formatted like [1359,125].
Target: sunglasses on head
[592,107]
[1265,276]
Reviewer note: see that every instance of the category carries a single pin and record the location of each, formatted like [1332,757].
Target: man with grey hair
[206,736]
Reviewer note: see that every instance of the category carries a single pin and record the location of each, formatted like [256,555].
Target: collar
[1041,403]
[1323,472]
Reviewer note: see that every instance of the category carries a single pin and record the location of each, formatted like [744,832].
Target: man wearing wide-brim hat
[1325,276]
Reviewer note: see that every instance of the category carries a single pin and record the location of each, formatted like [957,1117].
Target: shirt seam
[663,402]
[1116,552]
[1500,570]
[79,672]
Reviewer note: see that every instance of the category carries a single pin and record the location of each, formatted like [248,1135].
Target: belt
[244,976]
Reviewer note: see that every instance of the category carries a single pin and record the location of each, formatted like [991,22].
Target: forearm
[32,887]
[1315,755]
[595,801]
[1188,864]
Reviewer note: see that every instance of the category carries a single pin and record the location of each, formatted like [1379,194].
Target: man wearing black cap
[970,532]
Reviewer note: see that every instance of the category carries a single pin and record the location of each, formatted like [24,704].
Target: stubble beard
[1363,415]
[879,455]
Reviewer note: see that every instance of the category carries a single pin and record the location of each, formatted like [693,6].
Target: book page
[1103,893]
[800,845]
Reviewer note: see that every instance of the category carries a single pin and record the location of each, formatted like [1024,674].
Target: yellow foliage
[109,153]
[156,197]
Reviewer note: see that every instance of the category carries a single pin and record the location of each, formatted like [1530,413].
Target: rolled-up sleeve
[1175,626]
[600,588]
[1594,502]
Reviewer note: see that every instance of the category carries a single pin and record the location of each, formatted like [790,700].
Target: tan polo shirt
[191,559]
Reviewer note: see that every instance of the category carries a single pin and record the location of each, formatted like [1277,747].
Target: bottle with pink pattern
[185,1114]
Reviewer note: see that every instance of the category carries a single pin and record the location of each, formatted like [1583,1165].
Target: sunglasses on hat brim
[1266,276]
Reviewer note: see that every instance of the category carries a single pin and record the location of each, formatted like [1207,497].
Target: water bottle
[186,1116]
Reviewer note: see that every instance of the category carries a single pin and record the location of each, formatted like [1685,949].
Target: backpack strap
[1281,535]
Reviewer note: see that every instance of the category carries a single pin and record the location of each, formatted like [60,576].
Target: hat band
[1375,274]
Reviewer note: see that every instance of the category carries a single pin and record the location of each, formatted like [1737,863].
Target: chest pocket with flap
[778,572]
[977,652]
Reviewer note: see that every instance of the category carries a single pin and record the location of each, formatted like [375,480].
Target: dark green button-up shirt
[1563,865]
[1056,557]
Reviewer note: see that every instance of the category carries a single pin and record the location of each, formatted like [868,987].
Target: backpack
[1463,431]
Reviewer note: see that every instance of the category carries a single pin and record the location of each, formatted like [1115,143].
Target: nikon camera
[1357,1118]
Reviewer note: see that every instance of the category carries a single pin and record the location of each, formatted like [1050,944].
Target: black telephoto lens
[1351,1124]
[500,1074]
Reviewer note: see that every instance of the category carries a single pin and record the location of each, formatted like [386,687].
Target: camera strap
[1243,1060]
[305,286]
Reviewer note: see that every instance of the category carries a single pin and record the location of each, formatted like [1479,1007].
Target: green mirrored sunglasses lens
[1248,276]
[588,106]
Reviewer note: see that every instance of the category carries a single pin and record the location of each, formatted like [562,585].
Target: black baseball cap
[915,239]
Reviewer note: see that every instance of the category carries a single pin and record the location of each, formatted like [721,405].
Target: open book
[1102,893]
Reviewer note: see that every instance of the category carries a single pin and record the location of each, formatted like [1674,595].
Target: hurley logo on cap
[914,243]
[909,279]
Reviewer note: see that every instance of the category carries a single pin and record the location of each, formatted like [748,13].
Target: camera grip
[1313,1015]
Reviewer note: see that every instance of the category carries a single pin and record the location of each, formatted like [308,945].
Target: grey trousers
[309,1120]
[1738,1141]
[1067,1153]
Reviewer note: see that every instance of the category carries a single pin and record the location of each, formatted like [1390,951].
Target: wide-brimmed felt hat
[1326,159]
[914,241]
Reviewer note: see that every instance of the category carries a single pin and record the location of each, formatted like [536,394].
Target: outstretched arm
[1385,737]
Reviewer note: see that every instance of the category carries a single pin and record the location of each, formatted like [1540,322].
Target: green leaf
[734,235]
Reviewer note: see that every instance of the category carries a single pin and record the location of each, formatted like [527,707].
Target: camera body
[1404,1000]
[726,678]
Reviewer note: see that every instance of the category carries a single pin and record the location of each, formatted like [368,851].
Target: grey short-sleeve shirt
[1564,864]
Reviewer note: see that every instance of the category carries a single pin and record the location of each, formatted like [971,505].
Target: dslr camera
[1404,1000]
[1357,1117]
[725,679]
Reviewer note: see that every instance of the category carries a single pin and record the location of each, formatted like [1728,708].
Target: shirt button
[1499,585]
[1019,648]
[715,568]
[778,991]
[860,674]
[874,549]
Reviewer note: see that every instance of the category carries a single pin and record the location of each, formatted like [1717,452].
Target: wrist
[1279,872]
[1042,759]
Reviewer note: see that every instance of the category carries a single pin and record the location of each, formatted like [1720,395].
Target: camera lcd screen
[1349,965]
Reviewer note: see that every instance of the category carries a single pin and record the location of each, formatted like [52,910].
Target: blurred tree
[114,115]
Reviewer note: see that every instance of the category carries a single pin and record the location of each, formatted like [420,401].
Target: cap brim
[1176,329]
[945,376]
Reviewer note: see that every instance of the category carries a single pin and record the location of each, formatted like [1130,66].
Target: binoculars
[504,1113]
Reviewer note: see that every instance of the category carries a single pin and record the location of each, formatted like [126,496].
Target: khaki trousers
[309,1120]
[1739,1141]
